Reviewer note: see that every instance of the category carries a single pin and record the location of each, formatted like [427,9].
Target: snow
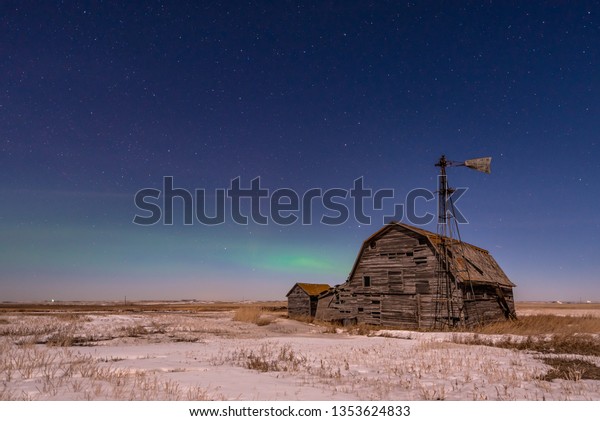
[209,356]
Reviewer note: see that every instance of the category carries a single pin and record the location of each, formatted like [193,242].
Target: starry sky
[101,99]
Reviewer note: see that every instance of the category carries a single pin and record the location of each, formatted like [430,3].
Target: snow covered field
[209,356]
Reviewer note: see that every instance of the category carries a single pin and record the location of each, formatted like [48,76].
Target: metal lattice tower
[450,295]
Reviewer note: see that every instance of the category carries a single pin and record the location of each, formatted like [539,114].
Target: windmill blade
[480,164]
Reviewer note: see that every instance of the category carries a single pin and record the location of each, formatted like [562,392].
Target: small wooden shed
[303,298]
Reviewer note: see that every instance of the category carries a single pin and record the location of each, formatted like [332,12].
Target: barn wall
[324,309]
[401,267]
[403,291]
[486,305]
[298,303]
[510,299]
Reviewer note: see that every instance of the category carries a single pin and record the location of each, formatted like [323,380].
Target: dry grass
[370,369]
[548,334]
[269,358]
[72,317]
[568,344]
[554,307]
[63,372]
[90,330]
[62,338]
[524,326]
[251,314]
[543,324]
[427,371]
[87,308]
[363,329]
[571,369]
[554,344]
[303,318]
[135,331]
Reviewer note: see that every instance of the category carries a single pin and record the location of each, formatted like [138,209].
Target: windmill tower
[449,308]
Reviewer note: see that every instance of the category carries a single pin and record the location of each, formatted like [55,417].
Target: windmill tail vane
[480,164]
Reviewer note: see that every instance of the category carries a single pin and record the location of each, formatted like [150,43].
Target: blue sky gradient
[98,101]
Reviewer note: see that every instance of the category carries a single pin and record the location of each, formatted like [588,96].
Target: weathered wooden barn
[395,281]
[302,299]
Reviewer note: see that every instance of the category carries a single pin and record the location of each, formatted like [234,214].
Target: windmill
[449,310]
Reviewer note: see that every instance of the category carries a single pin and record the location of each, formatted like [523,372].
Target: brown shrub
[251,314]
[134,331]
[263,321]
[63,338]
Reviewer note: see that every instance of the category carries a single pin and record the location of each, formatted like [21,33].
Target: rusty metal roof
[310,289]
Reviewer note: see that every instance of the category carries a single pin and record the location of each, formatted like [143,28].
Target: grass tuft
[251,314]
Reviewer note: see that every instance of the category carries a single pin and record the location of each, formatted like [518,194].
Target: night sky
[99,100]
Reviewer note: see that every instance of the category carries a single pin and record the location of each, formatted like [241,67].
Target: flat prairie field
[252,351]
[528,308]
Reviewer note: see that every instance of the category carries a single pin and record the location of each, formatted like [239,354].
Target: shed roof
[475,264]
[310,289]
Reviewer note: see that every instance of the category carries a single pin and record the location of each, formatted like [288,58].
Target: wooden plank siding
[303,299]
[394,283]
[298,303]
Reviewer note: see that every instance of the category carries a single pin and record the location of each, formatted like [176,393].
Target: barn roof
[477,263]
[310,289]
